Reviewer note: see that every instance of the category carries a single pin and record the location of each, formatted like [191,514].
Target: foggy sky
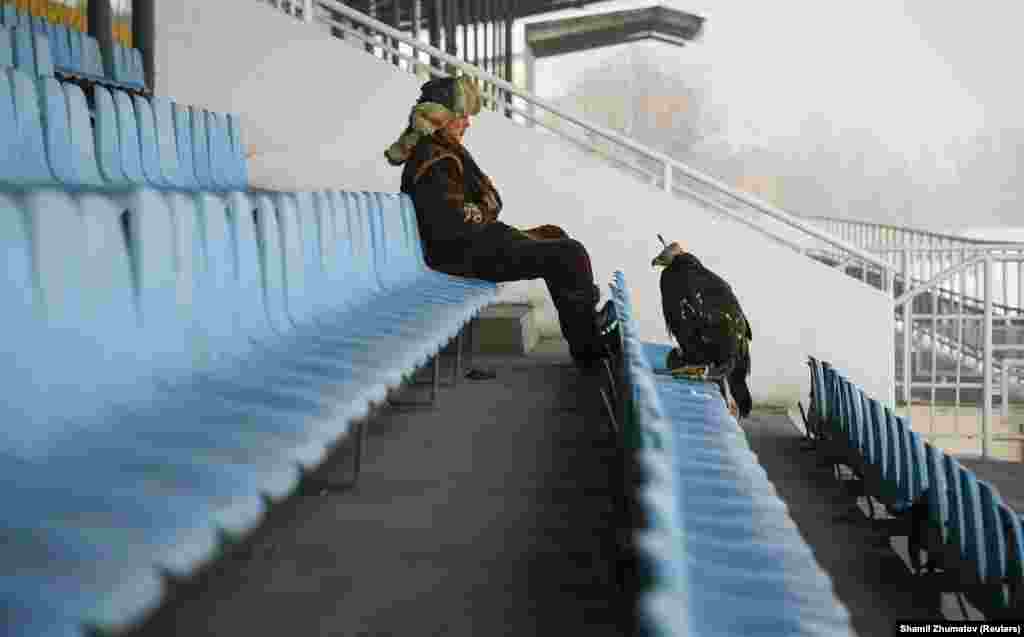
[916,74]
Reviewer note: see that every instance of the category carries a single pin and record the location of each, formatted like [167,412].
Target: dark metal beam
[567,35]
[144,35]
[434,19]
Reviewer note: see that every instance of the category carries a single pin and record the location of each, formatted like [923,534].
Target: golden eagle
[705,318]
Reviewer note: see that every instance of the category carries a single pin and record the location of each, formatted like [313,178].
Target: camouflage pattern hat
[441,100]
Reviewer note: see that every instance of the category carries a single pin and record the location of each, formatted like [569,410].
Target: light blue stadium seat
[183,140]
[59,46]
[149,143]
[39,24]
[92,59]
[938,495]
[11,16]
[82,141]
[995,536]
[238,147]
[56,128]
[975,540]
[138,69]
[201,150]
[26,146]
[6,48]
[717,547]
[167,144]
[76,53]
[128,139]
[108,140]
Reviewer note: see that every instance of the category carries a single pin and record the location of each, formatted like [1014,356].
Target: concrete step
[505,328]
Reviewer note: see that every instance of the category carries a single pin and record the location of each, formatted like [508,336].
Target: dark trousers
[565,267]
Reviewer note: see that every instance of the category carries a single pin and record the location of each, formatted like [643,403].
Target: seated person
[457,208]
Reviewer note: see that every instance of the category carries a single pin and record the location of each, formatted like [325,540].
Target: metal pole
[307,11]
[668,177]
[1004,386]
[434,20]
[417,25]
[986,414]
[475,21]
[907,330]
[509,19]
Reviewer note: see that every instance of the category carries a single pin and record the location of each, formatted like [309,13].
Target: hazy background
[890,111]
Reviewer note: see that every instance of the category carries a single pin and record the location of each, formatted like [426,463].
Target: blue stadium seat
[708,568]
[60,47]
[82,141]
[238,155]
[92,58]
[183,142]
[76,52]
[150,145]
[6,48]
[26,144]
[10,15]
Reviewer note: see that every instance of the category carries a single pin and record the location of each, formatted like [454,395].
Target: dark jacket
[457,205]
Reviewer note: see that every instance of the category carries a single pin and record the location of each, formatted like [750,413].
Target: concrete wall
[317,114]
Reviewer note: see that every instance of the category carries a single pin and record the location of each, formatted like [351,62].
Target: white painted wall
[319,114]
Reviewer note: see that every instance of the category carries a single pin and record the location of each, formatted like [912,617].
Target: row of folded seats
[959,522]
[175,346]
[40,47]
[716,550]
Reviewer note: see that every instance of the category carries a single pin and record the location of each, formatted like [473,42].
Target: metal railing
[918,267]
[413,55]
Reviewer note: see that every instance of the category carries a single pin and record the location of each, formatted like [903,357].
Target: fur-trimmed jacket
[457,205]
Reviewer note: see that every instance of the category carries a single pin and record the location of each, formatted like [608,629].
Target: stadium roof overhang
[567,35]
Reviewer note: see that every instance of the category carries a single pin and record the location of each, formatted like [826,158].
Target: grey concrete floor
[493,515]
[870,572]
[489,515]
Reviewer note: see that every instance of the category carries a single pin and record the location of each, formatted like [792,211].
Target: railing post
[986,414]
[1004,387]
[307,10]
[908,328]
[668,177]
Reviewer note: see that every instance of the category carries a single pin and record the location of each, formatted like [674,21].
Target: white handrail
[669,162]
[907,230]
[938,278]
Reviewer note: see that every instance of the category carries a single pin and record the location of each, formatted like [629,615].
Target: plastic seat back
[919,475]
[6,48]
[167,143]
[364,282]
[261,312]
[82,142]
[220,151]
[1011,523]
[284,255]
[905,447]
[92,60]
[183,139]
[201,150]
[149,143]
[867,448]
[938,492]
[313,299]
[60,46]
[11,17]
[108,134]
[894,454]
[24,50]
[340,264]
[76,56]
[993,532]
[138,69]
[957,532]
[128,139]
[26,163]
[876,416]
[56,131]
[43,54]
[974,529]
[39,24]
[220,302]
[241,172]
